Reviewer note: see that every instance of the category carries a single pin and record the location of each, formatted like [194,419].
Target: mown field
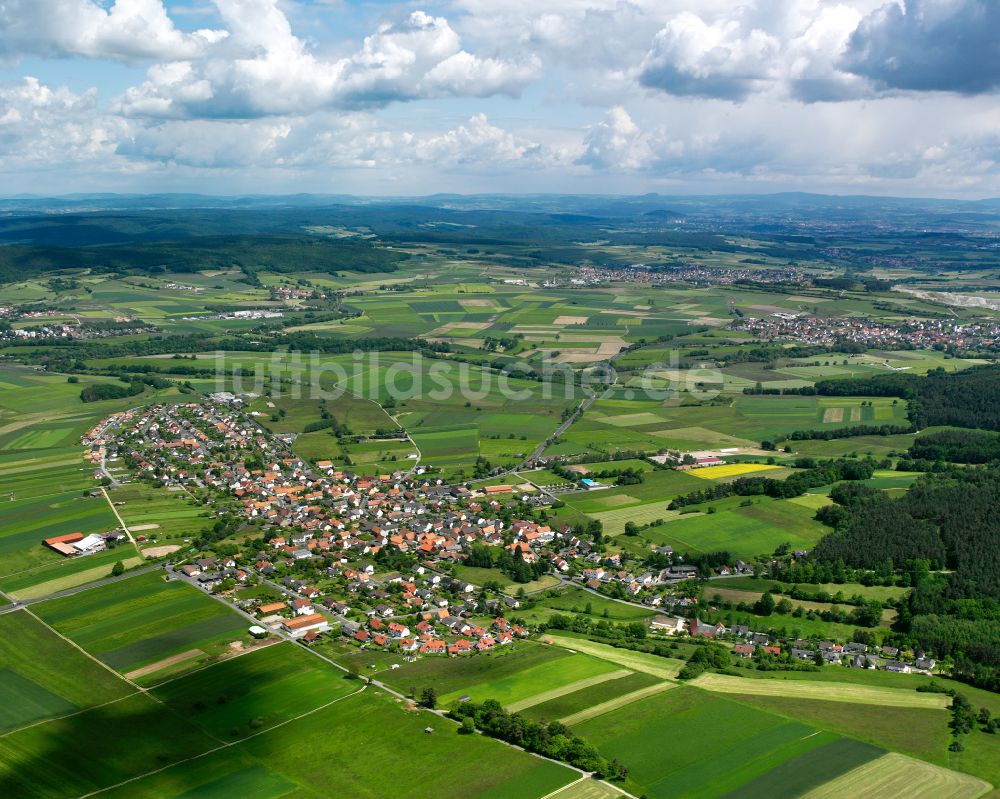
[138,622]
[743,531]
[160,515]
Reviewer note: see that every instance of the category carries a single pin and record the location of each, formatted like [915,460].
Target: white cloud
[47,126]
[615,143]
[721,59]
[263,69]
[354,140]
[129,30]
[479,142]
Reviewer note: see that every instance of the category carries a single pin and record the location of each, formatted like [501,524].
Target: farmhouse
[63,543]
[299,626]
[72,545]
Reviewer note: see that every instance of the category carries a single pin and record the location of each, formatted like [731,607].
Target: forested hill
[969,398]
[250,253]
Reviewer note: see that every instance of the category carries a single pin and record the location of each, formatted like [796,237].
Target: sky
[479,96]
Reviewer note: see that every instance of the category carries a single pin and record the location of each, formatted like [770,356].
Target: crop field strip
[562,690]
[830,691]
[528,682]
[664,668]
[617,702]
[671,740]
[895,775]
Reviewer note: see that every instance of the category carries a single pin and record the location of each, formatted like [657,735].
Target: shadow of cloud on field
[106,745]
[96,749]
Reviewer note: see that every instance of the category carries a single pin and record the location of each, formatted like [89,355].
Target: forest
[945,532]
[957,446]
[249,253]
[969,398]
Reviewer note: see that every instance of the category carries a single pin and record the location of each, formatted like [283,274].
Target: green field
[673,741]
[140,621]
[55,759]
[306,758]
[664,668]
[27,521]
[254,691]
[584,698]
[513,688]
[742,531]
[160,515]
[575,600]
[42,676]
[451,675]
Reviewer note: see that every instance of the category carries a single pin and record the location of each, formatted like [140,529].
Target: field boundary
[226,745]
[555,693]
[79,648]
[614,704]
[151,668]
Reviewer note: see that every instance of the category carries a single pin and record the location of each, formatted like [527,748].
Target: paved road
[103,468]
[567,580]
[610,379]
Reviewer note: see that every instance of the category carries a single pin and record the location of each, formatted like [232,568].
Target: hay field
[830,691]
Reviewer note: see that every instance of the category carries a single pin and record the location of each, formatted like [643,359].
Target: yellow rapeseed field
[730,470]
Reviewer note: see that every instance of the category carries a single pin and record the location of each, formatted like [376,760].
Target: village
[372,560]
[939,334]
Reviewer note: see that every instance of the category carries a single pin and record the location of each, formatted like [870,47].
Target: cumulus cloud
[691,57]
[479,142]
[330,140]
[615,142]
[814,51]
[50,126]
[129,30]
[929,45]
[263,69]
